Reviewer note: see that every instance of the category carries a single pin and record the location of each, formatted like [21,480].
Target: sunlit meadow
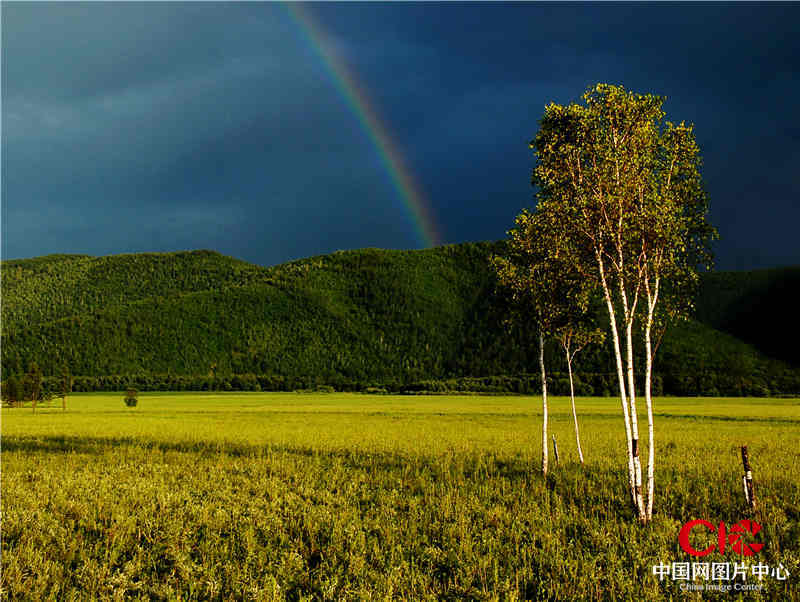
[261,496]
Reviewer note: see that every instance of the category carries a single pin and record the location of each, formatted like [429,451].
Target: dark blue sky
[158,126]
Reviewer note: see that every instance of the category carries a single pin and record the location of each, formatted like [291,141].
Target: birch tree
[609,171]
[540,272]
[526,274]
[675,242]
[570,298]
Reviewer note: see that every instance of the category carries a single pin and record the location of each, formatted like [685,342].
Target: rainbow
[357,100]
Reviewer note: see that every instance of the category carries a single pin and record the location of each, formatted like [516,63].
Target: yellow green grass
[343,496]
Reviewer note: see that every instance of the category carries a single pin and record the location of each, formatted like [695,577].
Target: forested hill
[759,307]
[349,319]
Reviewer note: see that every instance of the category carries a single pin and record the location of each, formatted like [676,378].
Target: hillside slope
[758,307]
[353,319]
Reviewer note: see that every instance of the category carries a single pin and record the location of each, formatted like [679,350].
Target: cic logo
[725,537]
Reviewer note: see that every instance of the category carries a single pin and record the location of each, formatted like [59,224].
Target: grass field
[342,496]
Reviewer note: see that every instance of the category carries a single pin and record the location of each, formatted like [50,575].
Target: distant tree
[65,386]
[212,373]
[131,398]
[33,384]
[11,391]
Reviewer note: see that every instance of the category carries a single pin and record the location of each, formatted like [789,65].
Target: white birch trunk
[628,312]
[574,414]
[544,403]
[651,455]
[621,378]
[650,432]
[637,463]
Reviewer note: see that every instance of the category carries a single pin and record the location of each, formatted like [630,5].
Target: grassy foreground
[253,496]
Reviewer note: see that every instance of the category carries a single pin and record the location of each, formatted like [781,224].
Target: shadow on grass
[62,444]
[700,417]
[593,488]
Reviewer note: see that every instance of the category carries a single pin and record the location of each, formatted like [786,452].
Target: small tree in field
[65,386]
[32,384]
[131,398]
[629,195]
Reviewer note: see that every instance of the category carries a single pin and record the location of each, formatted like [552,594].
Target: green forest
[366,320]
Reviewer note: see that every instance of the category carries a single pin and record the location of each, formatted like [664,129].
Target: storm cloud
[159,126]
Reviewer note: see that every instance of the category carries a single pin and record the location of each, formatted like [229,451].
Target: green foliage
[376,391]
[65,382]
[248,496]
[541,271]
[131,398]
[350,320]
[32,383]
[622,199]
[11,390]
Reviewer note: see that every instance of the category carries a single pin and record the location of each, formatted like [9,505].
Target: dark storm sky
[159,126]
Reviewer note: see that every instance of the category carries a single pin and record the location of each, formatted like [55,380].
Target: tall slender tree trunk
[650,430]
[629,313]
[620,376]
[574,414]
[637,463]
[648,377]
[544,402]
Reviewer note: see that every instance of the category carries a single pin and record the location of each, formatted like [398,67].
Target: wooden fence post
[747,480]
[555,448]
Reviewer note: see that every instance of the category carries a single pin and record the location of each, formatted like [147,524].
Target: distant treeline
[601,384]
[353,320]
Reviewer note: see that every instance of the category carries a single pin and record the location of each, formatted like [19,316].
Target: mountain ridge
[367,316]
